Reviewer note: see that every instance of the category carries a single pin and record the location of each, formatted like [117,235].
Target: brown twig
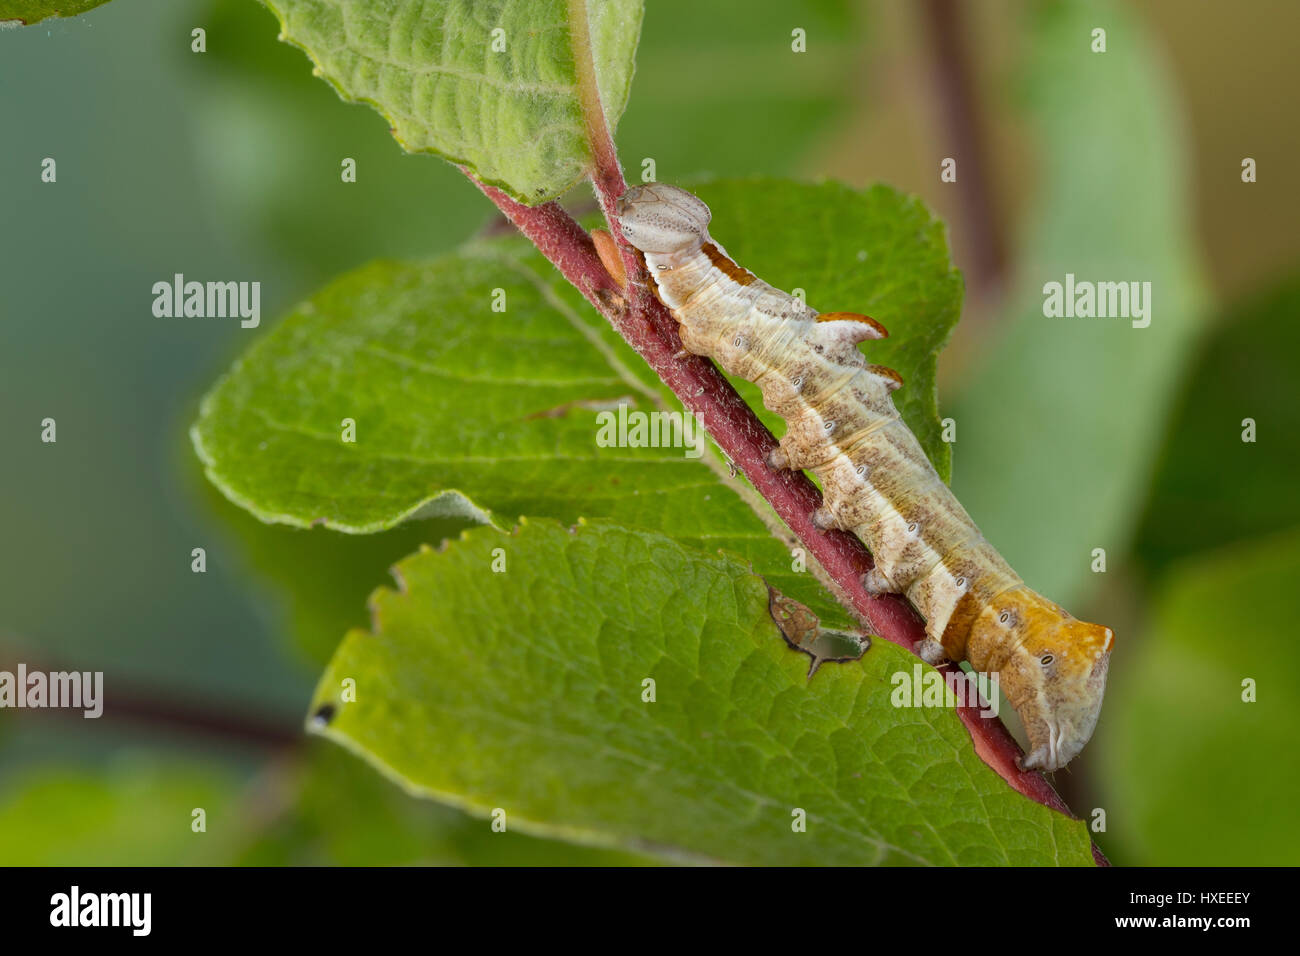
[171,712]
[651,330]
[954,88]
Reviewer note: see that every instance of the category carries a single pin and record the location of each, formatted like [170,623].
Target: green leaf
[1226,794]
[1058,431]
[28,12]
[463,411]
[512,115]
[522,691]
[1211,487]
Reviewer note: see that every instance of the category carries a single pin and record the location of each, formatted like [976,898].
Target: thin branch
[651,330]
[954,87]
[183,713]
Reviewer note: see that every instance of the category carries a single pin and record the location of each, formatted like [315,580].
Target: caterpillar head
[662,219]
[1052,667]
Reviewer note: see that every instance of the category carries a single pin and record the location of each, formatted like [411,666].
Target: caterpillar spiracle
[877,482]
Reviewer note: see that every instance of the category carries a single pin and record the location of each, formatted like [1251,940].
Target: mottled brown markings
[885,372]
[881,331]
[611,300]
[728,268]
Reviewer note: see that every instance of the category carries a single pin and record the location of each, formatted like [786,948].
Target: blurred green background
[1123,165]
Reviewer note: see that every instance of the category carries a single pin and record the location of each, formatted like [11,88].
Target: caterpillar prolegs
[877,481]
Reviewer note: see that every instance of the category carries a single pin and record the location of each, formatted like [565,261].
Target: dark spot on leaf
[324,715]
[803,632]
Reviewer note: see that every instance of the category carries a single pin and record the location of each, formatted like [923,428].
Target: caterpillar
[877,482]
